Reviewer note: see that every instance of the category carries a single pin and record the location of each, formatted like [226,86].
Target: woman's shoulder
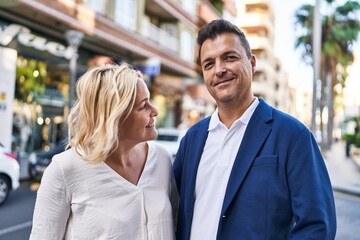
[158,147]
[68,159]
[70,166]
[65,155]
[158,150]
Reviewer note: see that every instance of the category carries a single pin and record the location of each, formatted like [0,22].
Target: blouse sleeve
[174,198]
[52,207]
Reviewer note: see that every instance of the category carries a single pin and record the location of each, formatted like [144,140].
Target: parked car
[40,159]
[9,173]
[170,138]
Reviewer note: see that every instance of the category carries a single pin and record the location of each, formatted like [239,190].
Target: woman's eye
[144,106]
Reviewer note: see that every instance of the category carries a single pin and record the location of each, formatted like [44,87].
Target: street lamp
[316,45]
[73,38]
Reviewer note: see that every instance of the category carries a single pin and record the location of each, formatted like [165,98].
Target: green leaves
[30,77]
[340,29]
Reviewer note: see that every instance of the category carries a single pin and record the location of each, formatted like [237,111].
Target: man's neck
[228,114]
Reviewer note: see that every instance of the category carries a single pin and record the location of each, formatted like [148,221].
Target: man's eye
[207,65]
[230,57]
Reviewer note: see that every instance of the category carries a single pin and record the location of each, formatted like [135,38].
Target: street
[348,216]
[16,214]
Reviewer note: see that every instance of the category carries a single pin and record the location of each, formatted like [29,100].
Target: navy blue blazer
[278,188]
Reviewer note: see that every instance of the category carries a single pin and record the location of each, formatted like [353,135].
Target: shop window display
[40,99]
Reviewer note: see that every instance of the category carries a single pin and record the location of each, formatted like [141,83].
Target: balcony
[253,21]
[159,36]
[264,5]
[262,65]
[170,11]
[259,43]
[260,88]
[207,12]
[256,2]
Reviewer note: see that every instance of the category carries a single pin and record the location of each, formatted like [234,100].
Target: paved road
[16,213]
[348,216]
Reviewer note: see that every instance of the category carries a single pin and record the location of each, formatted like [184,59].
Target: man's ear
[253,63]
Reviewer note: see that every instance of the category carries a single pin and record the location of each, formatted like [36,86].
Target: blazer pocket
[263,161]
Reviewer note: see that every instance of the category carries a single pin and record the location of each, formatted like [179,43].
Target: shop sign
[25,37]
[150,67]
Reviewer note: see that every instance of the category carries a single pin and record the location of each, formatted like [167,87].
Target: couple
[248,171]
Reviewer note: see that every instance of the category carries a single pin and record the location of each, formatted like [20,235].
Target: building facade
[157,36]
[256,18]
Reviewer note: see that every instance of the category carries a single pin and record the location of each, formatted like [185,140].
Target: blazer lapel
[196,147]
[255,136]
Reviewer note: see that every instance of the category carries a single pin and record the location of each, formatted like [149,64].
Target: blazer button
[223,216]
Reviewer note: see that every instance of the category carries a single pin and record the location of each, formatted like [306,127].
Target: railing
[256,19]
[159,35]
[259,42]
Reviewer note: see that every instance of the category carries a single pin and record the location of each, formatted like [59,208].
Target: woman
[112,183]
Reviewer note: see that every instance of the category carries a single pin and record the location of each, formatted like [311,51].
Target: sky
[284,47]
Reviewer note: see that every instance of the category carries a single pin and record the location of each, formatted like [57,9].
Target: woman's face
[140,125]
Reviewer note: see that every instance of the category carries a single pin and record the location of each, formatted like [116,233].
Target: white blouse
[79,200]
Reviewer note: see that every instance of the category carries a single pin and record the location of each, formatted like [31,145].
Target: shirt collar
[244,119]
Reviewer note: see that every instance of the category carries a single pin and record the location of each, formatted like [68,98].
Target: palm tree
[340,30]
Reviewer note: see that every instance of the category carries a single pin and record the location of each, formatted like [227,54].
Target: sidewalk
[344,173]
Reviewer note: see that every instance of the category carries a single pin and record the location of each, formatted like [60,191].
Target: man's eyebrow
[231,52]
[223,54]
[206,60]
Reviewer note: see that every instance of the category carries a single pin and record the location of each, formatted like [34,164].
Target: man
[249,171]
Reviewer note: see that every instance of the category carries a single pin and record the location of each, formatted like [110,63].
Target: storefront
[40,102]
[42,71]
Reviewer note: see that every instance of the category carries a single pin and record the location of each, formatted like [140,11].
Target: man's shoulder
[278,117]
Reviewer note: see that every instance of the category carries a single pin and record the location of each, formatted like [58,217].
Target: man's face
[227,70]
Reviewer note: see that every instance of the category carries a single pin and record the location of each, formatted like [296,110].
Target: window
[190,6]
[187,46]
[125,13]
[97,5]
[122,12]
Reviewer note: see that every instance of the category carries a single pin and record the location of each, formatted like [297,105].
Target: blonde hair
[106,96]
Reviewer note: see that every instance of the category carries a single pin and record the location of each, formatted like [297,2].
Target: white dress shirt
[213,173]
[79,200]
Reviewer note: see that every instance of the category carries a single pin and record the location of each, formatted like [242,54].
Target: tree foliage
[340,27]
[30,76]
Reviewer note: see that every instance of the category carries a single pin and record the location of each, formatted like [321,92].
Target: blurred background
[308,56]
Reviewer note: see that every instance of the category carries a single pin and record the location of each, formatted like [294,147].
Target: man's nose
[220,69]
